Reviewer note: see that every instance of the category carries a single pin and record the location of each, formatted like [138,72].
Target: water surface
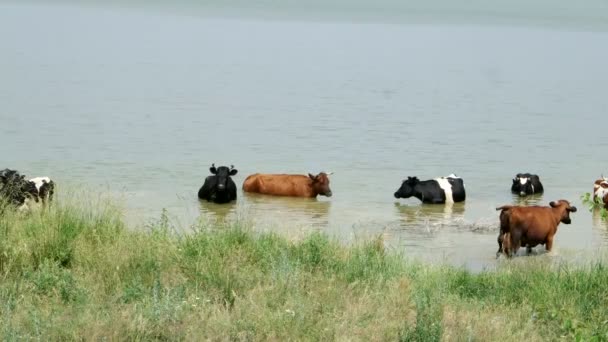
[142,101]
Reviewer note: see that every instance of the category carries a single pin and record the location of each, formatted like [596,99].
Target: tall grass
[74,271]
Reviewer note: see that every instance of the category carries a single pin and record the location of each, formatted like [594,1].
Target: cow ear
[311,176]
[212,169]
[233,172]
[553,204]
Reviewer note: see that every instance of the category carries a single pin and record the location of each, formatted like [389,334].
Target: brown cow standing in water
[288,185]
[600,189]
[530,226]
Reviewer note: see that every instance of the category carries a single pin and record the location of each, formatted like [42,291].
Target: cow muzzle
[328,193]
[522,193]
[221,186]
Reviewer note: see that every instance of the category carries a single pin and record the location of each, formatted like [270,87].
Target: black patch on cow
[458,192]
[14,188]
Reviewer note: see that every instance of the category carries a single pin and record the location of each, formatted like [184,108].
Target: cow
[525,184]
[289,185]
[45,188]
[19,192]
[531,226]
[440,190]
[219,187]
[600,190]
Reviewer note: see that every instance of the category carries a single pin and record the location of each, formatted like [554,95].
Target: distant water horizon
[584,15]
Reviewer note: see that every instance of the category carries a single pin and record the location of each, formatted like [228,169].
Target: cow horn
[231,166]
[329,173]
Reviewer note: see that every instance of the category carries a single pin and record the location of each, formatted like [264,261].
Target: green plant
[597,204]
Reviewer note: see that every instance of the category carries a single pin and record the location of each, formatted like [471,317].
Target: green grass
[75,271]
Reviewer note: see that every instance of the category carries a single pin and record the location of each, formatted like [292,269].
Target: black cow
[448,189]
[219,188]
[526,184]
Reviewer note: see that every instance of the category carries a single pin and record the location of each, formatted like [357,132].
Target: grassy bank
[76,272]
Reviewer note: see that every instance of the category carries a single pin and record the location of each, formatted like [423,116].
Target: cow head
[407,188]
[600,188]
[522,184]
[566,210]
[222,174]
[320,183]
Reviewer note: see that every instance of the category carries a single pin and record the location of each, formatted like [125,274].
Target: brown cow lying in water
[600,189]
[530,226]
[288,185]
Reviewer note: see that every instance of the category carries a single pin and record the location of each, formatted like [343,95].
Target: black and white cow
[19,192]
[525,184]
[45,188]
[219,187]
[448,189]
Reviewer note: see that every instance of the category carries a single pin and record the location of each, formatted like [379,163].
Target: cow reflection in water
[217,213]
[534,199]
[600,226]
[285,211]
[425,215]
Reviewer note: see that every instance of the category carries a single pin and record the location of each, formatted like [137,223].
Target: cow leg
[549,244]
[528,249]
[515,242]
[500,237]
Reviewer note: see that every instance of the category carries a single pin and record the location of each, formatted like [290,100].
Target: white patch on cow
[601,191]
[446,187]
[523,181]
[40,181]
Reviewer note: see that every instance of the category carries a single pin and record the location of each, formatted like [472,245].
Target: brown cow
[600,189]
[288,185]
[530,226]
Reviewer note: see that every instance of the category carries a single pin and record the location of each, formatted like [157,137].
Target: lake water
[140,101]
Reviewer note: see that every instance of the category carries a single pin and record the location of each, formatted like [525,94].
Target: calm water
[141,102]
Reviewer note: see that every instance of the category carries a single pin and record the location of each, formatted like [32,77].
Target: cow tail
[504,218]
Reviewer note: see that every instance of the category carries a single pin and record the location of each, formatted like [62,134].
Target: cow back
[533,223]
[279,185]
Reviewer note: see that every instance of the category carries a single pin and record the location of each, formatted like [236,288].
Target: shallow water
[141,102]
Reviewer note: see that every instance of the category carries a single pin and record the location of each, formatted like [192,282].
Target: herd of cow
[520,226]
